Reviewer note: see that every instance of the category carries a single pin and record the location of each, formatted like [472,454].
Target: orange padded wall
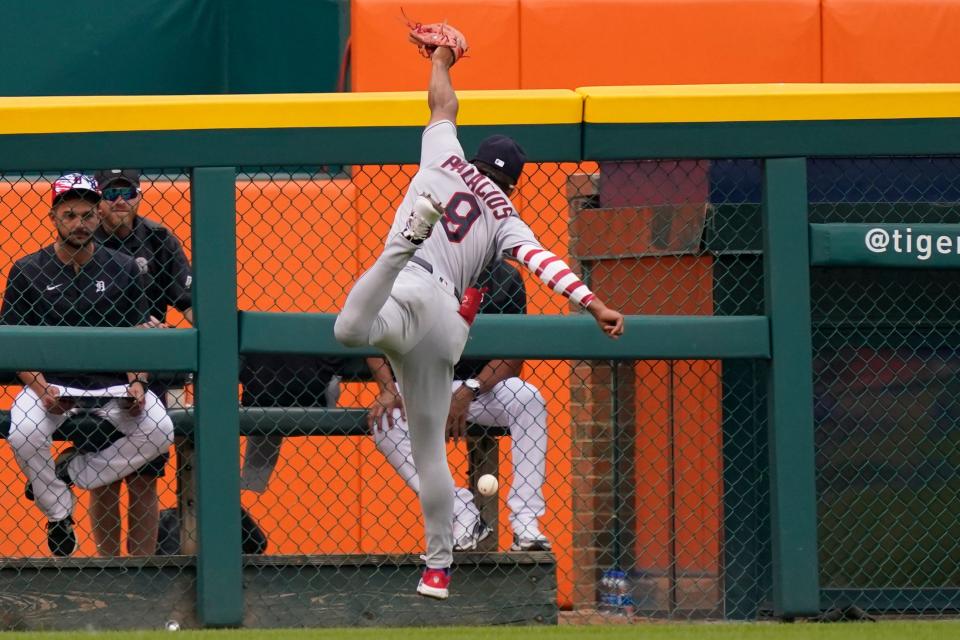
[571,43]
[891,40]
[383,59]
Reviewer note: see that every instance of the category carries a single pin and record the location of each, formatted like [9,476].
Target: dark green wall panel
[771,139]
[261,147]
[793,517]
[219,584]
[573,336]
[285,46]
[905,245]
[97,349]
[105,47]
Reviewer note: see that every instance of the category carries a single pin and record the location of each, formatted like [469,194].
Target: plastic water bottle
[616,593]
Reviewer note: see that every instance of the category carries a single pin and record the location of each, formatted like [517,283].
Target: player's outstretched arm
[553,271]
[441,98]
[609,321]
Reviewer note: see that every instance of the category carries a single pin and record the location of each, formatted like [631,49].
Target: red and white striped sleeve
[550,268]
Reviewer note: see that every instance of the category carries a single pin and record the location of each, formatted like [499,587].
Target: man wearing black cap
[76,283]
[501,159]
[156,249]
[408,303]
[161,259]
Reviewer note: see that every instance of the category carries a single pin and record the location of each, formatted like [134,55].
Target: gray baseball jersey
[480,221]
[412,316]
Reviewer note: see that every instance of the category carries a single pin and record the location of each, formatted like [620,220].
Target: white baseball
[173,625]
[487,484]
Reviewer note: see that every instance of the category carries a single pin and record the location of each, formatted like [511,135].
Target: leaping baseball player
[408,304]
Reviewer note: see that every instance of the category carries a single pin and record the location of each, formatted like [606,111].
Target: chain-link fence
[885,363]
[617,469]
[87,466]
[627,488]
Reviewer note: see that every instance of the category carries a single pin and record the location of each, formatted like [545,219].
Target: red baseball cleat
[435,583]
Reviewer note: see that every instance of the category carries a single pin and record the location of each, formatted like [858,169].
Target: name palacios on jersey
[481,186]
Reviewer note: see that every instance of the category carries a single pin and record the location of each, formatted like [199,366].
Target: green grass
[892,630]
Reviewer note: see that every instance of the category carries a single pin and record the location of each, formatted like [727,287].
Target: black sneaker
[60,537]
[62,466]
[61,469]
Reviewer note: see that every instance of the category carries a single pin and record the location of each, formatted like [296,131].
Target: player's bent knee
[166,427]
[527,397]
[162,436]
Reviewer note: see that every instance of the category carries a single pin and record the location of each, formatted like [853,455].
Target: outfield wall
[566,134]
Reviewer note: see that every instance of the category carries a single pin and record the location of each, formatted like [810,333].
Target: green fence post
[217,432]
[793,507]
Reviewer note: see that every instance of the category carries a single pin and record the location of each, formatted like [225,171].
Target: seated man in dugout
[273,380]
[276,381]
[76,283]
[162,261]
[485,392]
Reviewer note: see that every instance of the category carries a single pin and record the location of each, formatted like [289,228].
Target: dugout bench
[518,587]
[293,422]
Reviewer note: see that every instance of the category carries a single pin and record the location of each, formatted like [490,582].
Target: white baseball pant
[511,403]
[31,430]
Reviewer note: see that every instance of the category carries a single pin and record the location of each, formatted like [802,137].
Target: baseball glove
[428,37]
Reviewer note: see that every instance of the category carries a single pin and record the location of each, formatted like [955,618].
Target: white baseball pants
[31,430]
[511,403]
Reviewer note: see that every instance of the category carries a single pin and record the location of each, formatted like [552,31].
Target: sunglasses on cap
[127,193]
